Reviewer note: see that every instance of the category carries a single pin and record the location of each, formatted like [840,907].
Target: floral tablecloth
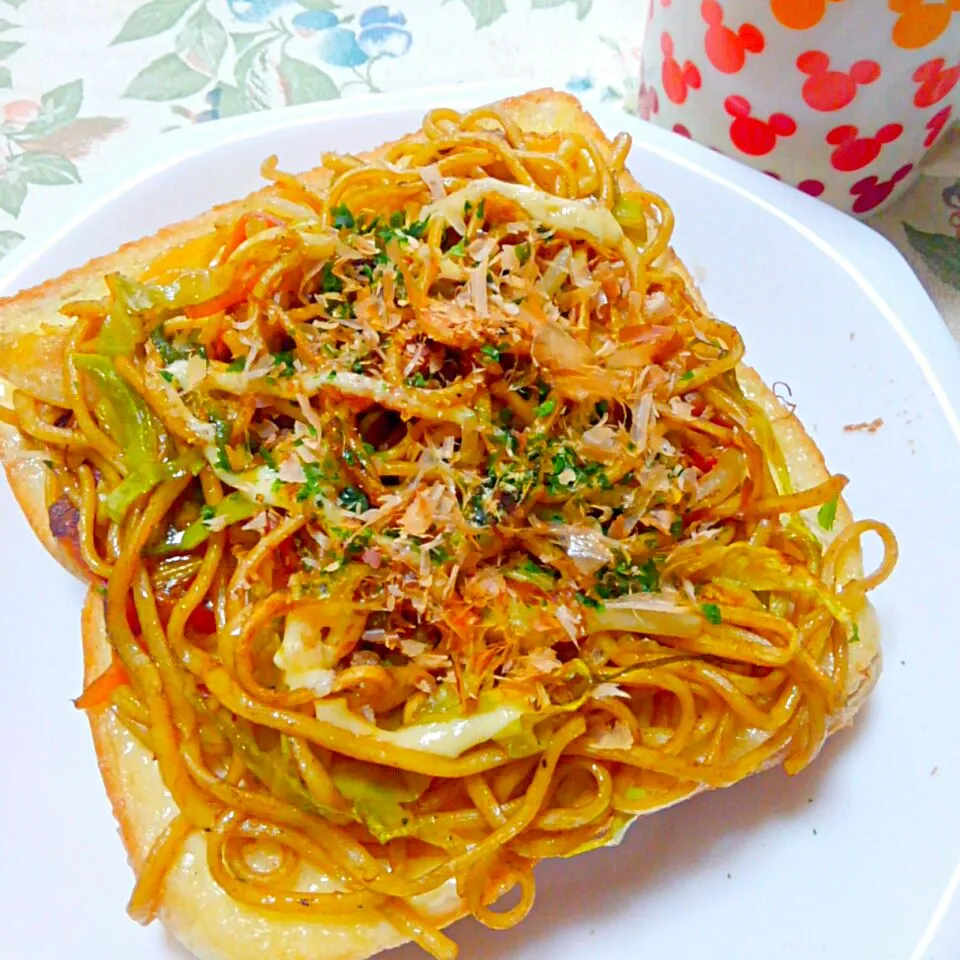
[83,82]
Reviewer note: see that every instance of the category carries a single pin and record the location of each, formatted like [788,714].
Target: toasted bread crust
[215,927]
[193,907]
[26,474]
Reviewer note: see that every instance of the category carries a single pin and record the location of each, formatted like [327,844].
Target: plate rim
[869,259]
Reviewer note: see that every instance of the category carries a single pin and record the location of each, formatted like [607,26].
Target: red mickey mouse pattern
[751,135]
[937,124]
[828,83]
[812,187]
[854,152]
[827,89]
[871,191]
[726,48]
[677,79]
[935,82]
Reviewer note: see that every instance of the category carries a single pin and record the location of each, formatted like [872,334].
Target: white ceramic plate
[855,858]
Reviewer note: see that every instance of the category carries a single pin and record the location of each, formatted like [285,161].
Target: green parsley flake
[223,430]
[168,352]
[418,228]
[712,612]
[399,230]
[546,408]
[648,576]
[625,578]
[354,500]
[358,542]
[284,360]
[311,489]
[343,218]
[330,282]
[586,601]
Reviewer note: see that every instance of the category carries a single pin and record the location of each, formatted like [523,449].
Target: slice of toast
[196,910]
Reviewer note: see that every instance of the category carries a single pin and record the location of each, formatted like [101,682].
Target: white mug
[841,98]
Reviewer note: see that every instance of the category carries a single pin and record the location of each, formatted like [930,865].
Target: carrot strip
[98,692]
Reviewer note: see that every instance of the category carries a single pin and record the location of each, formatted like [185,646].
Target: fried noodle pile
[436,533]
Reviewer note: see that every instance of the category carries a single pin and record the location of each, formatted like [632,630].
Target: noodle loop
[438,535]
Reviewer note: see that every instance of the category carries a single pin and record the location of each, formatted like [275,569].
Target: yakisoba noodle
[436,533]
